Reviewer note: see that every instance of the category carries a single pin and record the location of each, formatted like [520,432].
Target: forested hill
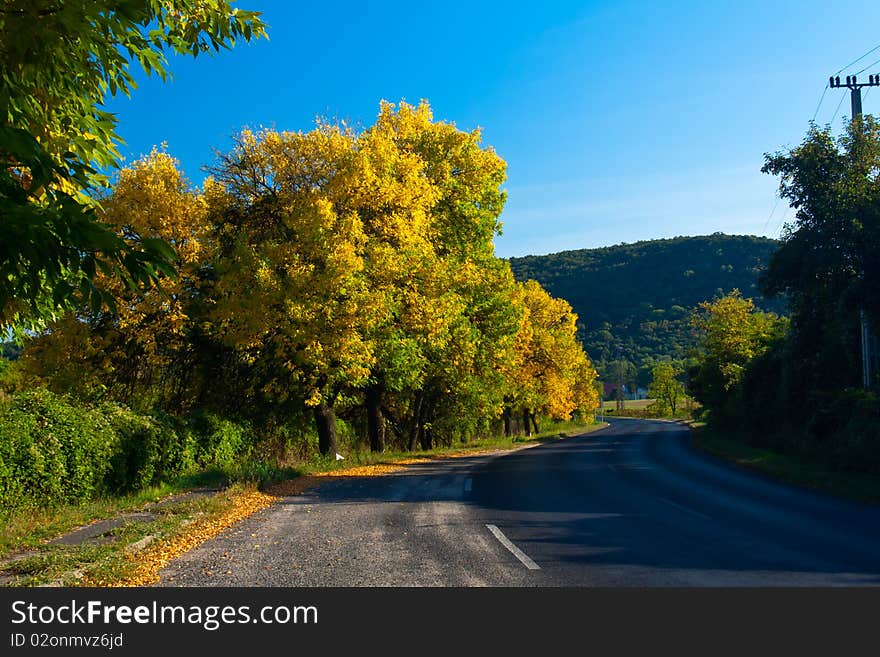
[634,300]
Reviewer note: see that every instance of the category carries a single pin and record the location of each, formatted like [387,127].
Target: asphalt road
[630,505]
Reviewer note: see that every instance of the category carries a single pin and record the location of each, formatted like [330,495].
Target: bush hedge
[51,451]
[54,450]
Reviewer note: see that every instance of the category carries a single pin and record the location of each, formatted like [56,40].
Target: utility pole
[867,339]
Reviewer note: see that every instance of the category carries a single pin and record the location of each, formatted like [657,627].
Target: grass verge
[359,459]
[861,487]
[134,553]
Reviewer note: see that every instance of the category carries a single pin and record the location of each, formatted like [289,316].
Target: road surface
[630,505]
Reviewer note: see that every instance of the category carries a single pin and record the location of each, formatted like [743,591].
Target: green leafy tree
[60,60]
[732,334]
[827,263]
[804,394]
[622,373]
[665,387]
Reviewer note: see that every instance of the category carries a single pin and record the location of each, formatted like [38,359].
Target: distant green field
[629,403]
[641,408]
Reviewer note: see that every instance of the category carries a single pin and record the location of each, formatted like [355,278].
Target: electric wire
[772,212]
[816,113]
[874,63]
[782,221]
[856,61]
[842,98]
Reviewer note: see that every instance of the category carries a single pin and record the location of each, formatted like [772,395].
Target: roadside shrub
[658,409]
[220,442]
[151,449]
[57,450]
[854,437]
[51,450]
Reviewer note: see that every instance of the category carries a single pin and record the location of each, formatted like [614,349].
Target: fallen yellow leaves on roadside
[160,553]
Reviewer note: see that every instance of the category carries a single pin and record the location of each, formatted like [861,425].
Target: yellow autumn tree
[135,354]
[468,380]
[359,269]
[550,374]
[449,318]
[290,296]
[327,272]
[390,191]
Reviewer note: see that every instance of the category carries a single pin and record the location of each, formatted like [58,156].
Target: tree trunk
[526,418]
[535,422]
[425,438]
[416,423]
[325,419]
[507,428]
[375,419]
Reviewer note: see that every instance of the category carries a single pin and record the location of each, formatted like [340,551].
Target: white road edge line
[468,484]
[684,508]
[515,551]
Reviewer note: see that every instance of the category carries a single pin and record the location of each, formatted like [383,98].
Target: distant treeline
[634,301]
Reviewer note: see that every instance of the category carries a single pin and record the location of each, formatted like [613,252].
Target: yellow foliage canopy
[331,265]
[551,373]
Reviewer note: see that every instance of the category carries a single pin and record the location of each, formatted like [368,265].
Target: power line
[867,338]
[874,63]
[842,98]
[782,221]
[855,61]
[772,212]
[816,113]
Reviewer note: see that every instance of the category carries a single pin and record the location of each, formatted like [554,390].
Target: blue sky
[619,121]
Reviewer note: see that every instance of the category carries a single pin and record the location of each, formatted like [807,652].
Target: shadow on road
[636,498]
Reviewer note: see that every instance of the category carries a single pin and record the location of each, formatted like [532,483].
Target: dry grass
[145,566]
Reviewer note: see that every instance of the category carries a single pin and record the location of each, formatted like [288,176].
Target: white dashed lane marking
[515,551]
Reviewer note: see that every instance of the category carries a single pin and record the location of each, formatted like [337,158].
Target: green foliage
[55,450]
[850,431]
[621,373]
[220,442]
[151,450]
[801,394]
[732,333]
[59,62]
[665,388]
[827,262]
[52,451]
